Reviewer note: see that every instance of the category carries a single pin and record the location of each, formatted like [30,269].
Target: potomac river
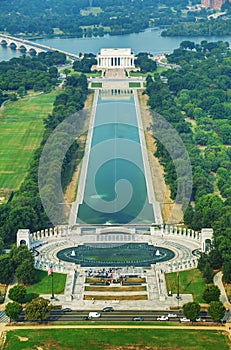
[147,41]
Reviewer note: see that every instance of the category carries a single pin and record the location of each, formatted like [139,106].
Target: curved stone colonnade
[49,242]
[164,231]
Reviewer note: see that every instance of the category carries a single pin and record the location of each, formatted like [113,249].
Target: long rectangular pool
[115,190]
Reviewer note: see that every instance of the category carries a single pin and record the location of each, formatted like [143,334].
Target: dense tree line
[196,101]
[29,73]
[73,17]
[85,63]
[212,27]
[145,63]
[26,209]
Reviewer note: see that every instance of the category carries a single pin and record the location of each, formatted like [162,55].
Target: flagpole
[178,288]
[178,285]
[51,273]
[52,286]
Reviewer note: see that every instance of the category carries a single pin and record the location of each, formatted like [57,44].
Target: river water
[147,41]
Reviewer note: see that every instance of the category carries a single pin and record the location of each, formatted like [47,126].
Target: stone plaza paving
[183,247]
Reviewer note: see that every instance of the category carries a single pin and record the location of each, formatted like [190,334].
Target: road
[115,316]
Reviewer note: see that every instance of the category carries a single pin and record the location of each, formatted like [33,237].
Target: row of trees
[217,27]
[196,102]
[216,310]
[36,310]
[26,209]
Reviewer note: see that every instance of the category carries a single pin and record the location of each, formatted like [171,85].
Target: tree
[25,272]
[13,310]
[18,293]
[211,293]
[215,259]
[208,272]
[38,309]
[227,271]
[19,254]
[191,310]
[6,270]
[216,310]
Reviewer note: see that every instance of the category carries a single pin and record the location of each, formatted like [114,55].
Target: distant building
[115,58]
[213,4]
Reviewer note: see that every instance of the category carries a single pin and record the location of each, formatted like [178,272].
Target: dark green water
[115,189]
[130,254]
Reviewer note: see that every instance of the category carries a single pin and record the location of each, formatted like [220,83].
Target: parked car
[138,318]
[108,309]
[94,315]
[87,318]
[67,309]
[172,315]
[162,318]
[184,319]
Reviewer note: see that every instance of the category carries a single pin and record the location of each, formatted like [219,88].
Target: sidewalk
[217,280]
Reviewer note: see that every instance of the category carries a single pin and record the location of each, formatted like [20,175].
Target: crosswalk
[3,317]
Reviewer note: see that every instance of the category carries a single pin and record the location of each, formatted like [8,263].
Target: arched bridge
[30,46]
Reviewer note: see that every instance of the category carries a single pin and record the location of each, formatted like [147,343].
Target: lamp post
[50,273]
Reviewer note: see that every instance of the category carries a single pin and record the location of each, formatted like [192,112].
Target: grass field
[134,85]
[190,282]
[116,339]
[43,284]
[96,85]
[21,131]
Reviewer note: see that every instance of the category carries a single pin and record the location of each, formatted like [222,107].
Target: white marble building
[115,58]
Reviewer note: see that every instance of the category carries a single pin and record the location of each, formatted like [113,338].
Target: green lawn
[43,284]
[96,85]
[113,339]
[190,282]
[159,70]
[134,85]
[21,131]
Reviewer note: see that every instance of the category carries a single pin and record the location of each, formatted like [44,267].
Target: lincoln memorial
[115,58]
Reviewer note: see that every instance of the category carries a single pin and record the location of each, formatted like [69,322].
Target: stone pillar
[166,229]
[23,238]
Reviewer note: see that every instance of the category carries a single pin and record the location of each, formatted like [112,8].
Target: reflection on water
[115,189]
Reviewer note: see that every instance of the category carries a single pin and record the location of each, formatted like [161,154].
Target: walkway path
[120,326]
[217,280]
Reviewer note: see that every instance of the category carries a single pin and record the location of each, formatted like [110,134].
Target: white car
[172,315]
[94,315]
[162,318]
[184,319]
